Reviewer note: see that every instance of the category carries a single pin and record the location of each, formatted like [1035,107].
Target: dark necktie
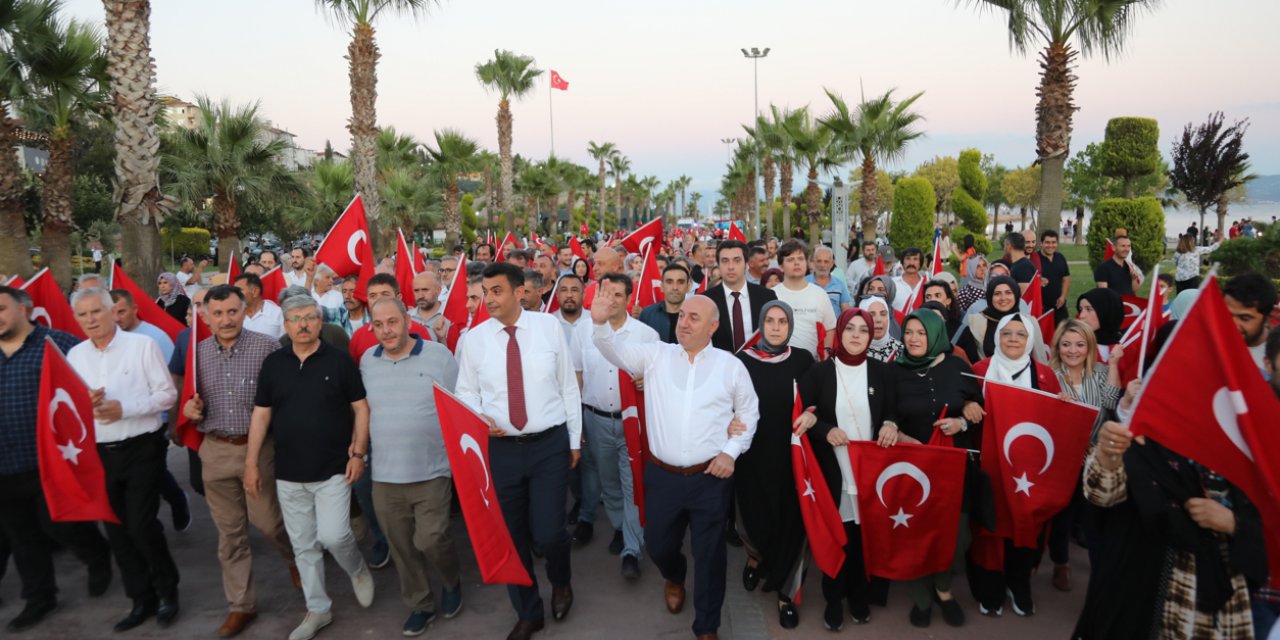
[515,382]
[739,333]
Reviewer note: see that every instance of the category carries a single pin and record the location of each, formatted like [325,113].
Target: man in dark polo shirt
[1055,275]
[1020,267]
[312,401]
[1117,274]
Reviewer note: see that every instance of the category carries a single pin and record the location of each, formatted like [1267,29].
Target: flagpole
[552,115]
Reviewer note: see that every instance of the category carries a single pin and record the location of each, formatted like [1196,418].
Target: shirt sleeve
[448,372]
[178,361]
[353,384]
[575,349]
[468,384]
[569,391]
[160,394]
[746,407]
[634,358]
[262,396]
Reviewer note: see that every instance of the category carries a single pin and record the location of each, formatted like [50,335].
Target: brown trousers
[415,518]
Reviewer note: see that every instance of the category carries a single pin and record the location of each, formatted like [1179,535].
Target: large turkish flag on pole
[909,499]
[649,288]
[148,310]
[633,428]
[818,509]
[71,474]
[466,441]
[637,241]
[455,306]
[49,305]
[1033,447]
[188,434]
[346,248]
[405,271]
[938,265]
[1205,399]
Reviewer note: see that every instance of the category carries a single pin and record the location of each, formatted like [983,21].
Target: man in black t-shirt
[1020,267]
[1055,275]
[311,399]
[1117,274]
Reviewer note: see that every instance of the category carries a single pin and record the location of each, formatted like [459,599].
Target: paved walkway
[605,606]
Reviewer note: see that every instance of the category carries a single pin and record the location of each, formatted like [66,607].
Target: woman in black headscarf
[978,338]
[1103,311]
[763,483]
[853,399]
[940,290]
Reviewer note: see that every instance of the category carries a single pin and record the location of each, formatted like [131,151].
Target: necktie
[739,333]
[515,382]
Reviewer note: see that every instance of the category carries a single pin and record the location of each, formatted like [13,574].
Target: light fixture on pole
[728,148]
[754,55]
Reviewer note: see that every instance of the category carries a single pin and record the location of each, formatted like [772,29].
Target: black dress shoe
[99,579]
[167,611]
[141,611]
[525,629]
[561,602]
[920,617]
[788,617]
[750,577]
[630,567]
[33,613]
[583,533]
[731,537]
[181,512]
[573,512]
[616,545]
[833,616]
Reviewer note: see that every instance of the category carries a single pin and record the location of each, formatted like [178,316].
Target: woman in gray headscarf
[763,484]
[884,287]
[975,282]
[172,299]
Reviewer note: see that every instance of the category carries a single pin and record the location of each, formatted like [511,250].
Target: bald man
[608,260]
[427,309]
[1032,254]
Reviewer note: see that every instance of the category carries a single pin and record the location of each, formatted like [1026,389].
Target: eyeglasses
[310,317]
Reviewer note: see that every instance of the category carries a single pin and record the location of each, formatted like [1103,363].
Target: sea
[1177,220]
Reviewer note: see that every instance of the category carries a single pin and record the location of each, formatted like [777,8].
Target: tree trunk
[1054,112]
[766,210]
[617,196]
[784,189]
[1079,236]
[226,226]
[869,207]
[452,219]
[813,205]
[140,206]
[504,162]
[56,211]
[362,56]
[601,201]
[15,246]
[1128,187]
[1222,215]
[1023,212]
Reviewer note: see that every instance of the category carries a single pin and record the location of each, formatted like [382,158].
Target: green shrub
[187,241]
[1250,254]
[1131,150]
[912,222]
[980,241]
[966,202]
[470,222]
[1143,221]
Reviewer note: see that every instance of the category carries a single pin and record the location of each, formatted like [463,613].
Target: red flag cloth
[583,230]
[49,305]
[633,428]
[552,304]
[233,270]
[649,289]
[1048,326]
[879,268]
[364,339]
[405,271]
[1033,447]
[578,252]
[1223,415]
[751,341]
[188,433]
[466,441]
[735,232]
[1133,307]
[273,283]
[1034,296]
[346,248]
[419,261]
[71,474]
[818,509]
[16,282]
[455,306]
[909,500]
[148,310]
[640,239]
[702,286]
[938,265]
[1108,251]
[510,238]
[481,314]
[558,82]
[822,342]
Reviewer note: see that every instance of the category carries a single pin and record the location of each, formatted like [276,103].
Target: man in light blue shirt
[823,262]
[125,312]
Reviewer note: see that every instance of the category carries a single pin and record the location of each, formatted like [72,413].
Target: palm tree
[779,143]
[768,139]
[1099,27]
[331,184]
[682,184]
[878,133]
[619,165]
[510,75]
[814,151]
[229,158]
[693,200]
[602,153]
[140,206]
[68,78]
[647,186]
[362,61]
[454,155]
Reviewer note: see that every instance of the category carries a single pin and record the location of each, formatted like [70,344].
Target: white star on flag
[808,491]
[900,520]
[1024,485]
[70,452]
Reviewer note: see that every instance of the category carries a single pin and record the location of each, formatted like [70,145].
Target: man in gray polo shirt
[411,489]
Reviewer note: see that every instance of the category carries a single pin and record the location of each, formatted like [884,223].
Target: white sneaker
[311,625]
[362,582]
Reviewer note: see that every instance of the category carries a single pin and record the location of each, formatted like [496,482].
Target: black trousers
[134,471]
[851,581]
[988,586]
[25,525]
[531,478]
[699,503]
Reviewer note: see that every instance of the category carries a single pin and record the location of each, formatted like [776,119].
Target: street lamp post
[728,148]
[755,54]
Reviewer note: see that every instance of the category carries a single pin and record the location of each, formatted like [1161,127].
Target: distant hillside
[1264,189]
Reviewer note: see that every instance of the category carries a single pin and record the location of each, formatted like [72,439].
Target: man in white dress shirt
[296,275]
[130,387]
[514,370]
[602,421]
[692,391]
[260,315]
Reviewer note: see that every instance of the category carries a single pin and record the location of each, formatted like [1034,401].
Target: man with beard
[662,316]
[569,298]
[428,310]
[1250,297]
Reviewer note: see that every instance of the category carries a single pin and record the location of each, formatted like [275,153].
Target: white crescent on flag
[1228,404]
[467,443]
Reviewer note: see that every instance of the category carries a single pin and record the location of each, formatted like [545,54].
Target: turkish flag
[879,268]
[735,232]
[404,270]
[419,261]
[455,306]
[510,238]
[818,509]
[640,239]
[233,270]
[49,305]
[633,428]
[938,266]
[188,434]
[751,341]
[576,247]
[1222,415]
[148,310]
[466,441]
[649,289]
[71,474]
[1033,447]
[346,248]
[16,282]
[909,499]
[1139,337]
[822,341]
[1034,296]
[558,82]
[1133,307]
[1108,251]
[583,230]
[273,283]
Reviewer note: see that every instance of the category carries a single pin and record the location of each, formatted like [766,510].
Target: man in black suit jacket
[731,256]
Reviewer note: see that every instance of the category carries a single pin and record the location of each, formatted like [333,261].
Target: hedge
[187,241]
[1131,148]
[966,202]
[914,202]
[1143,221]
[1251,254]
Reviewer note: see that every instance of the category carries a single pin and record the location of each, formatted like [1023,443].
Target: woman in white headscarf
[884,347]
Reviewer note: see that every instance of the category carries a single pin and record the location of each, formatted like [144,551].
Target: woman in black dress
[172,299]
[932,383]
[853,399]
[763,484]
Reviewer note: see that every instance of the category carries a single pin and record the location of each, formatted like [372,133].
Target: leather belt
[616,415]
[129,441]
[233,440]
[530,438]
[684,471]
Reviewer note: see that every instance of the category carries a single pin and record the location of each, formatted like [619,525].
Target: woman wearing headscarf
[978,337]
[1103,311]
[935,394]
[854,399]
[764,488]
[1000,567]
[878,285]
[975,282]
[1182,304]
[172,299]
[884,347]
[941,291]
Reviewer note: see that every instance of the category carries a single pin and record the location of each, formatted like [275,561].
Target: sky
[665,79]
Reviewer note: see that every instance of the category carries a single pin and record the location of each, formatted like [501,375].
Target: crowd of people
[324,395]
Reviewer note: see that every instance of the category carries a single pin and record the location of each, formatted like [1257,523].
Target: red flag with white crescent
[633,429]
[466,441]
[1133,307]
[640,239]
[558,82]
[735,232]
[346,248]
[818,509]
[49,305]
[148,310]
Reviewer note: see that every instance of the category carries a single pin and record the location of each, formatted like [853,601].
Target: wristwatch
[364,457]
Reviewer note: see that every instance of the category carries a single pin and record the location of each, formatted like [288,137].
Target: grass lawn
[1082,275]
